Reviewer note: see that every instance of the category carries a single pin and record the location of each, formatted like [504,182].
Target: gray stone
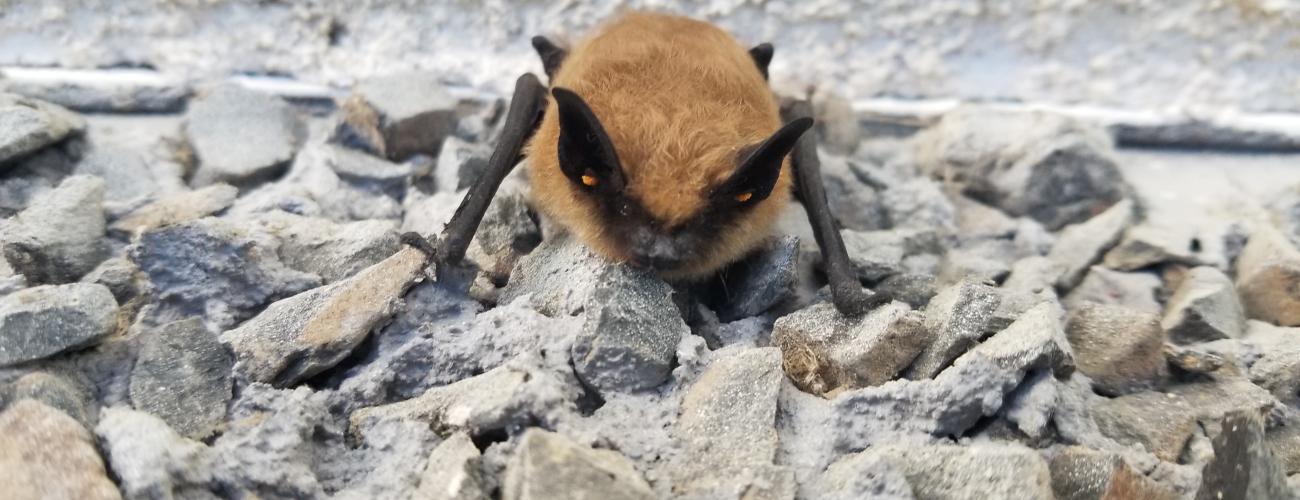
[1148,245]
[102,91]
[824,352]
[1103,286]
[1194,359]
[330,250]
[54,390]
[1121,349]
[1032,238]
[976,472]
[150,460]
[1081,245]
[984,260]
[31,124]
[1204,308]
[34,175]
[913,289]
[979,220]
[864,475]
[1268,277]
[762,281]
[183,377]
[505,235]
[631,331]
[459,164]
[547,466]
[879,254]
[270,446]
[128,182]
[46,454]
[427,214]
[1032,274]
[1080,473]
[951,403]
[1243,466]
[398,116]
[559,276]
[240,137]
[1276,365]
[1043,165]
[42,321]
[367,172]
[308,333]
[727,429]
[956,319]
[1284,442]
[1030,408]
[214,269]
[854,202]
[120,275]
[177,208]
[60,237]
[918,202]
[332,182]
[452,472]
[523,391]
[1164,422]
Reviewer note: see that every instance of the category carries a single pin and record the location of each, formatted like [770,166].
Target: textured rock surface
[46,320]
[1080,473]
[973,472]
[956,319]
[823,351]
[399,115]
[763,281]
[1164,422]
[1147,245]
[1204,308]
[177,208]
[1118,347]
[558,277]
[1082,244]
[59,237]
[31,124]
[46,454]
[330,250]
[630,335]
[1268,278]
[240,137]
[548,466]
[1243,466]
[183,377]
[149,459]
[54,390]
[452,472]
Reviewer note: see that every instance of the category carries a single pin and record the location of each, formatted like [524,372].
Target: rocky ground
[206,297]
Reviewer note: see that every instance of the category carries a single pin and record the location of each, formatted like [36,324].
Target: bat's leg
[846,291]
[521,121]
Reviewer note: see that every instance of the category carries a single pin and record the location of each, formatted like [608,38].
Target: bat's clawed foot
[851,300]
[419,242]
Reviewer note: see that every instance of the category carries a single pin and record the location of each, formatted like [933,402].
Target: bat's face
[653,217]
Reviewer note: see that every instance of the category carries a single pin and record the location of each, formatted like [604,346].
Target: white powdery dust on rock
[27,125]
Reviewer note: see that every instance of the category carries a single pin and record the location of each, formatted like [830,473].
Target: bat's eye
[589,180]
[745,196]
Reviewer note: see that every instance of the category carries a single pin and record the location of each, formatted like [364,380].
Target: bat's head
[681,197]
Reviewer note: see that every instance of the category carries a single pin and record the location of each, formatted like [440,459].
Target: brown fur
[679,99]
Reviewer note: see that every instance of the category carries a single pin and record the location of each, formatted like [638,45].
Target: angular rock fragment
[865,475]
[176,208]
[398,116]
[918,202]
[127,90]
[1204,308]
[1284,442]
[1243,465]
[27,125]
[60,236]
[183,377]
[332,182]
[452,472]
[506,234]
[547,466]
[558,276]
[1268,278]
[985,260]
[1081,245]
[1147,245]
[823,351]
[972,388]
[53,390]
[128,182]
[979,471]
[1121,349]
[630,334]
[330,250]
[46,454]
[42,321]
[1032,274]
[914,289]
[241,137]
[727,430]
[1043,165]
[956,319]
[120,275]
[520,392]
[853,201]
[879,254]
[761,282]
[303,335]
[149,459]
[979,220]
[1193,360]
[214,269]
[1135,291]
[1163,422]
[1080,473]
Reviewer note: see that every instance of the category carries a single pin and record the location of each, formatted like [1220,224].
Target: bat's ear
[758,171]
[762,55]
[587,155]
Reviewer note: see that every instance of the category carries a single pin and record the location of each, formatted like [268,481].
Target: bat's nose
[658,254]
